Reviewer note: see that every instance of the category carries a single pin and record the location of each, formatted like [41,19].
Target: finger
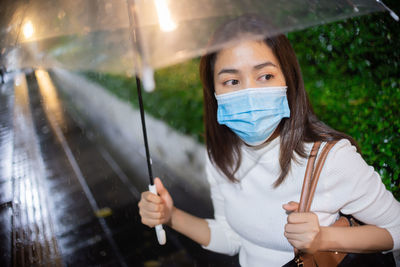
[297,228]
[149,206]
[301,241]
[295,237]
[152,215]
[151,222]
[294,204]
[300,217]
[150,197]
[161,190]
[296,244]
[291,206]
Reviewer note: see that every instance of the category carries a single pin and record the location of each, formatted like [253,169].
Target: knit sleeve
[223,238]
[363,194]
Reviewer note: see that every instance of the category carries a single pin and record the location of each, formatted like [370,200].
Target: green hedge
[351,72]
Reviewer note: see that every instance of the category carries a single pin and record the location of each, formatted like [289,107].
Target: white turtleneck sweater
[250,220]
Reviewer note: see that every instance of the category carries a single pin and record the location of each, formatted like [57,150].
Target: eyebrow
[265,64]
[257,67]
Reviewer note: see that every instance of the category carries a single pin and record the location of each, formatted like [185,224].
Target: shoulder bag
[327,258]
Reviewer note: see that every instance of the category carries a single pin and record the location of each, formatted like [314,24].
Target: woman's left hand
[302,230]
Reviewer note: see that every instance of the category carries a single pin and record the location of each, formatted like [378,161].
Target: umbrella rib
[391,12]
[136,46]
[146,143]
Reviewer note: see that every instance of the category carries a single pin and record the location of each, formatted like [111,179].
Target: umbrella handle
[162,239]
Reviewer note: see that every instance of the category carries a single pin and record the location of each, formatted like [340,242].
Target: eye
[266,77]
[231,82]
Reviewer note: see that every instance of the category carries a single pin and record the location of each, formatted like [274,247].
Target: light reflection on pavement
[33,232]
[65,201]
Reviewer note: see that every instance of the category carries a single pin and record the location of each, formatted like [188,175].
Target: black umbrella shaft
[146,143]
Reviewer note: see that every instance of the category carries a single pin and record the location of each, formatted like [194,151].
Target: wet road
[64,200]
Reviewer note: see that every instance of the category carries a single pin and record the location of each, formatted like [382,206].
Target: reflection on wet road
[33,233]
[65,201]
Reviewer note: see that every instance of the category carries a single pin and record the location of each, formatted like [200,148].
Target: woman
[260,128]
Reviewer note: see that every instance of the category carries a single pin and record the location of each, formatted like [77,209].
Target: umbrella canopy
[136,36]
[129,36]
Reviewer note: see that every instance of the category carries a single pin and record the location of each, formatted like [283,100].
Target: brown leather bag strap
[307,184]
[308,189]
[317,173]
[310,182]
[307,177]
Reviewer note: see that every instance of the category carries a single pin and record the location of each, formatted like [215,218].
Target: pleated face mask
[253,114]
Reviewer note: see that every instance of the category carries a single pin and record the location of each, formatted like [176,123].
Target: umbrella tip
[148,79]
[394,16]
[391,12]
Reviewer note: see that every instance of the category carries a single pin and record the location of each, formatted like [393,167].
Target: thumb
[291,206]
[161,190]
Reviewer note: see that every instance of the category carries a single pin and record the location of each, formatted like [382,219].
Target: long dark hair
[223,146]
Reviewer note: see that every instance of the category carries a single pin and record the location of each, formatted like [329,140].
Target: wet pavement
[65,200]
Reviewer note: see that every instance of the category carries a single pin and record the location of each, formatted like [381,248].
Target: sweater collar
[265,149]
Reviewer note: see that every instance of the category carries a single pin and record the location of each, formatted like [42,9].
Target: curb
[119,123]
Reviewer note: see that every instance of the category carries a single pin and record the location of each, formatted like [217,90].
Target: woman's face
[250,64]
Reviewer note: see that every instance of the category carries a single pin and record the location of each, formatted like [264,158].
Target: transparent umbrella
[134,37]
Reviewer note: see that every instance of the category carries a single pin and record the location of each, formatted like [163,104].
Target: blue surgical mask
[254,113]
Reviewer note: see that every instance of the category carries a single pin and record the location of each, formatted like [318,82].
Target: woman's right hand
[156,209]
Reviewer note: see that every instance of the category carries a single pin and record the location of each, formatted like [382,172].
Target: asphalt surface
[64,199]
